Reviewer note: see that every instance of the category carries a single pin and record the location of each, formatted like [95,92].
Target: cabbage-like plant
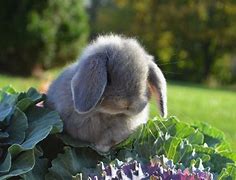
[193,152]
[23,125]
[74,165]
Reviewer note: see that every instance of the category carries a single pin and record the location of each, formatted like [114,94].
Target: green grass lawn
[189,103]
[18,83]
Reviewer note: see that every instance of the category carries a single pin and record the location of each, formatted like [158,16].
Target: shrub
[47,32]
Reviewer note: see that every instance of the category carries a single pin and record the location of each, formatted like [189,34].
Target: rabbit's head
[116,76]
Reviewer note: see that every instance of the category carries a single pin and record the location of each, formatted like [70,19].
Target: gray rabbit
[104,96]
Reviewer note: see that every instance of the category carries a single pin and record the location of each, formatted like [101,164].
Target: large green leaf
[72,162]
[6,91]
[171,146]
[23,126]
[213,137]
[5,110]
[38,172]
[22,163]
[196,137]
[6,164]
[41,122]
[184,153]
[40,168]
[17,127]
[8,96]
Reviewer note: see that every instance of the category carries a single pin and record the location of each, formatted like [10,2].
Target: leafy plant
[23,125]
[189,146]
[157,168]
[185,144]
[38,34]
[161,148]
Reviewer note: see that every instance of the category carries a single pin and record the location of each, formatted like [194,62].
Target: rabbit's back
[59,96]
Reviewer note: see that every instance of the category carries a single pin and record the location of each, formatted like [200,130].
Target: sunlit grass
[20,84]
[189,103]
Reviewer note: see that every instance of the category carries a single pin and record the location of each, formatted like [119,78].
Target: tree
[198,32]
[195,34]
[46,32]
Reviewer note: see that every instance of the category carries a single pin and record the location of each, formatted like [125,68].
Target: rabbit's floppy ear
[157,83]
[89,82]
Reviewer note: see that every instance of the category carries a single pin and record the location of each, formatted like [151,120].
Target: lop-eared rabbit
[103,97]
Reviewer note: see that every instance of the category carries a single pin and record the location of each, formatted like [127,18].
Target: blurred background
[194,43]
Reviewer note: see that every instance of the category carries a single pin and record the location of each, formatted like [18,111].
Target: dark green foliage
[46,32]
[23,125]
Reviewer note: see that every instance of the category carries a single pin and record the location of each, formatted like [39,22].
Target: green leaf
[6,164]
[15,149]
[40,168]
[23,104]
[42,122]
[8,98]
[39,171]
[65,165]
[72,162]
[32,94]
[17,162]
[228,173]
[17,127]
[8,90]
[170,147]
[22,163]
[25,100]
[5,110]
[212,136]
[196,137]
[184,152]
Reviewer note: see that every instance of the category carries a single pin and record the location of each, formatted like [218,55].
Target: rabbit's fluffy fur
[104,96]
